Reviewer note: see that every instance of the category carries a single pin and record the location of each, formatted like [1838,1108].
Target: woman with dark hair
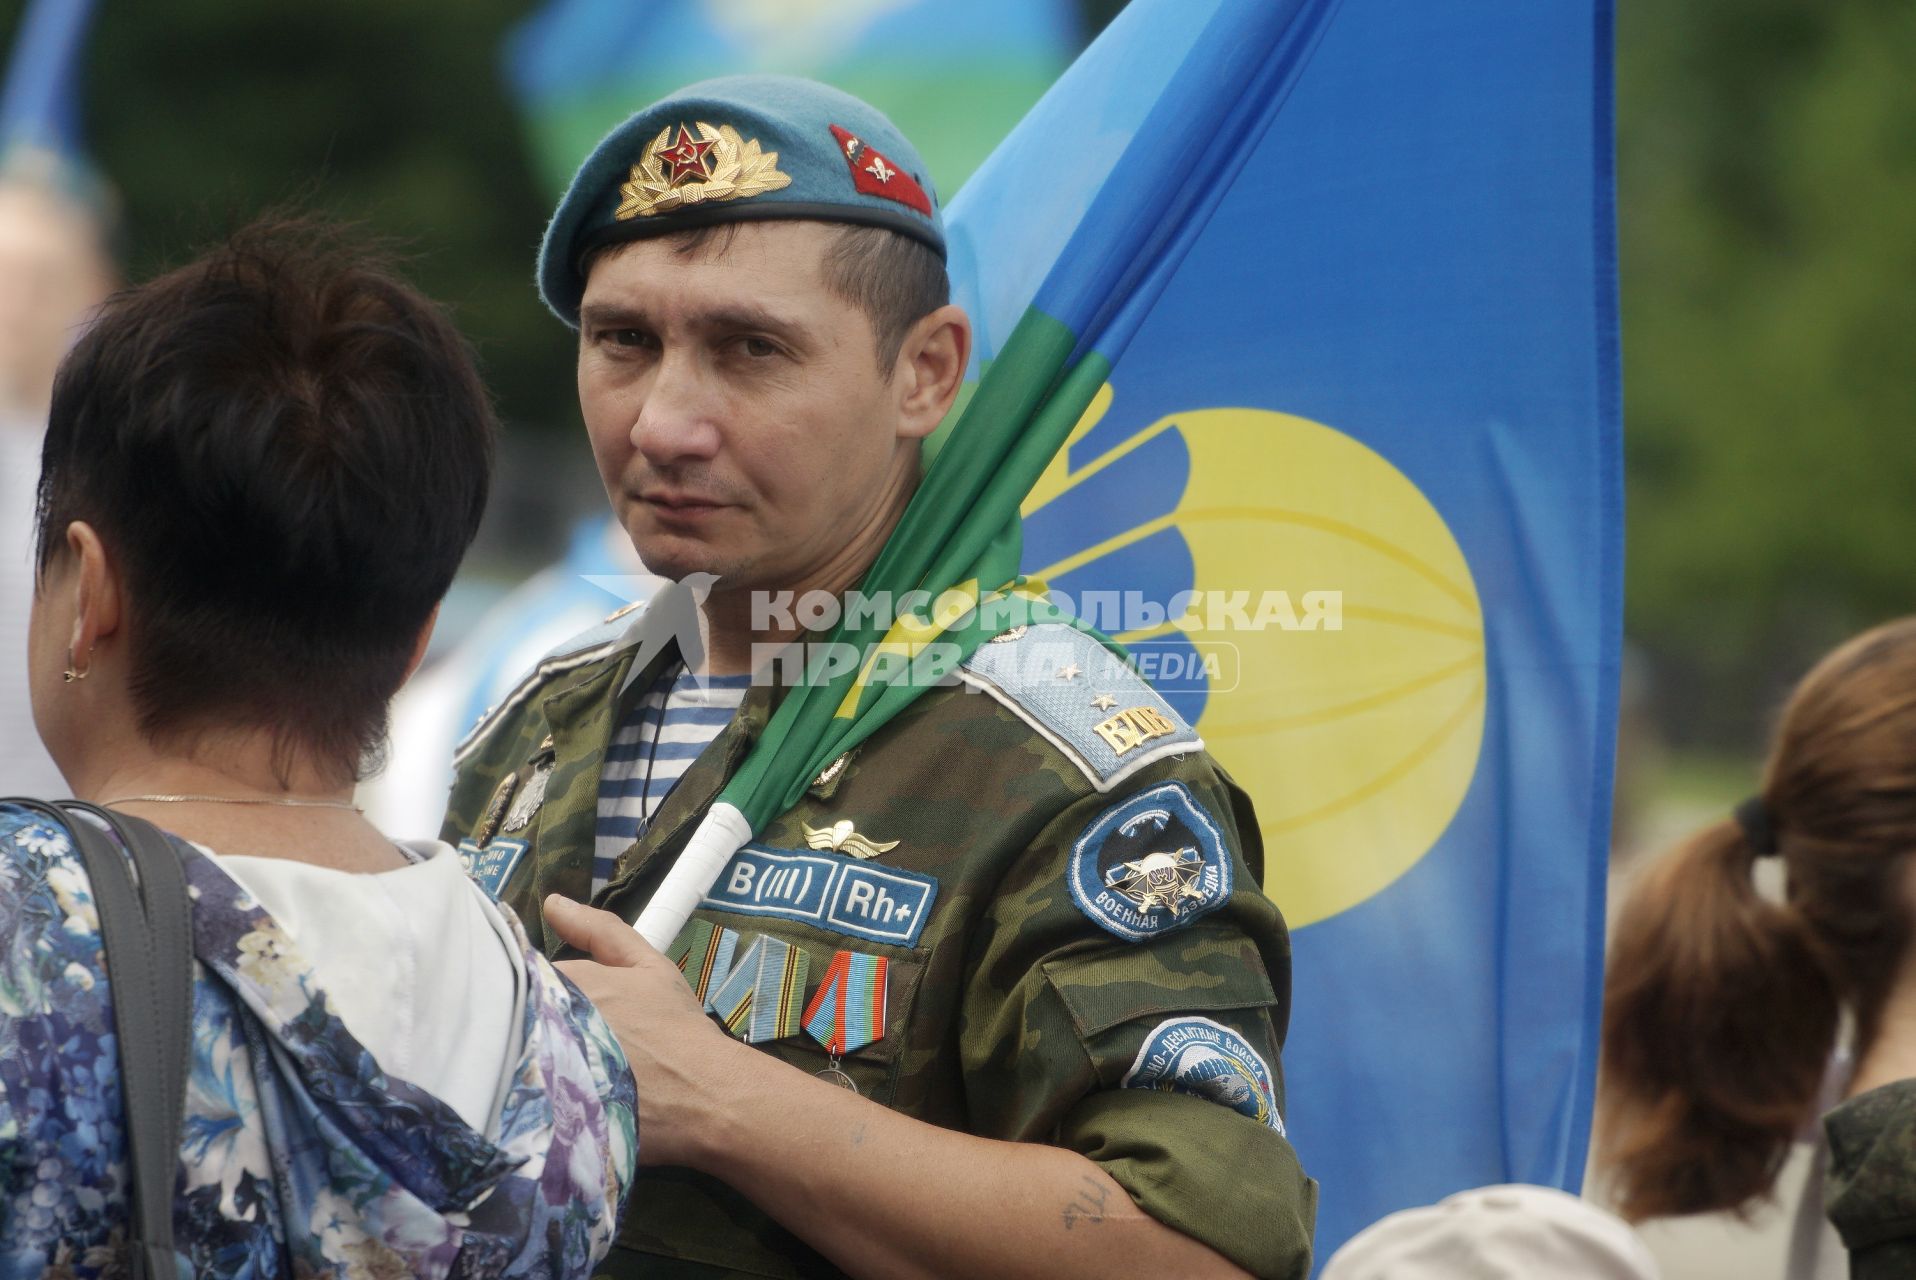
[1723,1006]
[260,473]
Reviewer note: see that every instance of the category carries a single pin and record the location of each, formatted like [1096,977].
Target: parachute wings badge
[841,838]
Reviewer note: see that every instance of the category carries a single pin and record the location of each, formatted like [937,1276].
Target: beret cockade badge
[687,165]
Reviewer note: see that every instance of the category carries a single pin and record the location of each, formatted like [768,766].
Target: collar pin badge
[841,838]
[830,772]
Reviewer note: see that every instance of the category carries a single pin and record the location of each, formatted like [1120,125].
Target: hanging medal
[848,1011]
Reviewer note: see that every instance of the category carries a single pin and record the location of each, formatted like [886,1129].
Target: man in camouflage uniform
[1019,927]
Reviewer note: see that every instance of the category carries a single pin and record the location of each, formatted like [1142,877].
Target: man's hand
[677,1053]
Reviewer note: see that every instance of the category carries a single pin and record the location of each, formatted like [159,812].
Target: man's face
[735,405]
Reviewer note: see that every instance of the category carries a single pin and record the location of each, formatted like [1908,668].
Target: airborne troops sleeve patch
[1207,1059]
[1151,864]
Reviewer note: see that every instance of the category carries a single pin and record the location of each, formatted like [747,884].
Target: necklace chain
[288,802]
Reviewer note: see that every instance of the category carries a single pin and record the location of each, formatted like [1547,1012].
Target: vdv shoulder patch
[831,892]
[492,865]
[1151,864]
[1081,698]
[1207,1060]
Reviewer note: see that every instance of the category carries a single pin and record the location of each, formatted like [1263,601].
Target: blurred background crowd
[1765,172]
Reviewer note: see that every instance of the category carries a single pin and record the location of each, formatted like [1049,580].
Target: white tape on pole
[721,833]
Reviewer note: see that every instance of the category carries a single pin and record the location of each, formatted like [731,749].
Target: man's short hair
[896,280]
[286,449]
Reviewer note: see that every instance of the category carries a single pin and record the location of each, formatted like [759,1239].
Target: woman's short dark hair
[286,449]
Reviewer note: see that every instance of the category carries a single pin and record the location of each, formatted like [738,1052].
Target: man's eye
[628,337]
[759,348]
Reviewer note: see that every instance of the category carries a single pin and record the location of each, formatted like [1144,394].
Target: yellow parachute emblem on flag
[1356,735]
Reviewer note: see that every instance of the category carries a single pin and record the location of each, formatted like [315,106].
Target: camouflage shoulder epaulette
[1081,698]
[595,643]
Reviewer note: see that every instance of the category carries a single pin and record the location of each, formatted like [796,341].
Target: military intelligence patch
[1151,864]
[1207,1060]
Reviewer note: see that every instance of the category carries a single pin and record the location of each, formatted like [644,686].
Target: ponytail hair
[1721,1007]
[1719,1013]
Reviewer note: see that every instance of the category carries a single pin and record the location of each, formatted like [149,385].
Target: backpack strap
[146,934]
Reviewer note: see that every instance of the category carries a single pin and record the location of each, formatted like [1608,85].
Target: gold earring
[72,673]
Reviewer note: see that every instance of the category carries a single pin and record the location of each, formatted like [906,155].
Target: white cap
[1496,1233]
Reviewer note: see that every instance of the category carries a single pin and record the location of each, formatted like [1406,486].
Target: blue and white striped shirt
[654,745]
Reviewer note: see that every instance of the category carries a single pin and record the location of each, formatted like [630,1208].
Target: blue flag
[1351,494]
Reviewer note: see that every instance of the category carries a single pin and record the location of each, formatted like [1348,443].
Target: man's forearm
[884,1195]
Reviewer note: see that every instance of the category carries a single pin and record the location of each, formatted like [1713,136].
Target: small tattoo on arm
[1087,1206]
[858,1135]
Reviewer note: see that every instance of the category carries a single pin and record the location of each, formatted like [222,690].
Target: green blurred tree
[1767,179]
[390,112]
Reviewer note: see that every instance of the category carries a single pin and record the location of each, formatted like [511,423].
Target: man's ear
[931,369]
[96,586]
[420,645]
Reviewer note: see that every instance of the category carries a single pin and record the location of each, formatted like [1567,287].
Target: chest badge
[495,811]
[525,805]
[840,837]
[1160,881]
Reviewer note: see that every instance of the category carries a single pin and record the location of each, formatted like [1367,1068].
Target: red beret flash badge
[874,175]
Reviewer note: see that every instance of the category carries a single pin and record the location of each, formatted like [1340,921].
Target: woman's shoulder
[49,927]
[60,1104]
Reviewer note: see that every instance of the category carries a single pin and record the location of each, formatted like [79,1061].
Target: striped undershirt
[681,718]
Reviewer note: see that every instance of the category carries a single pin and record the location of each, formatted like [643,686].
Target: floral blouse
[300,1157]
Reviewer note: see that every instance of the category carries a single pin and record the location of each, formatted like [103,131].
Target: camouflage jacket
[1871,1193]
[1066,894]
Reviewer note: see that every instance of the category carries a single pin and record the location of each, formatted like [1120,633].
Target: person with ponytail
[1724,1006]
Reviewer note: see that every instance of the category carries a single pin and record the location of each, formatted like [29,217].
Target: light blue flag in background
[1352,267]
[955,77]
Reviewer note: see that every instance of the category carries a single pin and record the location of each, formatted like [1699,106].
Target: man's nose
[677,419]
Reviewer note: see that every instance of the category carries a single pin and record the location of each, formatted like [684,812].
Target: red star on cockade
[686,158]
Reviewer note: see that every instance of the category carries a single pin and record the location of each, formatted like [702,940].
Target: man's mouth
[671,502]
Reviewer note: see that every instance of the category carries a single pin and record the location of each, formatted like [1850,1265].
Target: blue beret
[737,149]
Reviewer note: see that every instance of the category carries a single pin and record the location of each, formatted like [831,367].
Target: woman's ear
[97,594]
